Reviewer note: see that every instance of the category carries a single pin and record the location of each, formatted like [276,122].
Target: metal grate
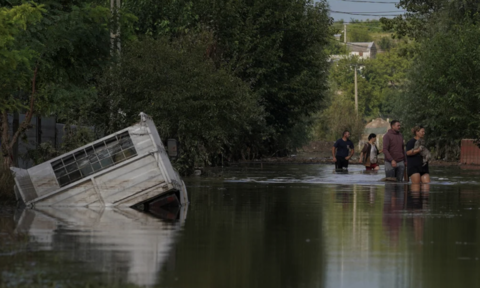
[93,159]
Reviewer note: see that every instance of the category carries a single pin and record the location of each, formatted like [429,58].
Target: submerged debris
[126,168]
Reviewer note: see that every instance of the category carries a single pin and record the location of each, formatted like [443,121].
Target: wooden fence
[469,153]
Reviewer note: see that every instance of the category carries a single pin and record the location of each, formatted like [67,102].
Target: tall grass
[6,183]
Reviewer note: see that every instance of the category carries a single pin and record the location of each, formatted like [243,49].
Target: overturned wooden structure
[129,168]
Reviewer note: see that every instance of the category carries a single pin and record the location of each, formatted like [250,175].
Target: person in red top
[394,151]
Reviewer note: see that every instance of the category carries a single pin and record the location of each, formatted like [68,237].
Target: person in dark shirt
[416,169]
[342,151]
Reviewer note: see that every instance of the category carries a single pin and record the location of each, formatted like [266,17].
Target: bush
[338,117]
[206,108]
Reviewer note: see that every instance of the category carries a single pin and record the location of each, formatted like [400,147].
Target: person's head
[418,131]
[372,137]
[346,134]
[395,124]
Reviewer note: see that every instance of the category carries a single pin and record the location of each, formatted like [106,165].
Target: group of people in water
[413,155]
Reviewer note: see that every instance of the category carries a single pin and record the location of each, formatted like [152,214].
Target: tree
[69,46]
[441,80]
[205,108]
[358,33]
[387,75]
[14,21]
[420,13]
[164,18]
[442,91]
[378,80]
[276,47]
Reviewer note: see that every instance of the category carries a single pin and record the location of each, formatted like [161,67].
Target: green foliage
[386,43]
[440,92]
[422,13]
[74,47]
[443,92]
[378,81]
[73,138]
[339,116]
[70,46]
[15,61]
[167,18]
[276,47]
[356,33]
[207,109]
[41,153]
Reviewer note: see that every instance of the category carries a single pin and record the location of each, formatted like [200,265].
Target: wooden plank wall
[469,153]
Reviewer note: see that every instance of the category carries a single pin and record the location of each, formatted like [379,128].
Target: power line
[356,22]
[376,2]
[364,12]
[368,13]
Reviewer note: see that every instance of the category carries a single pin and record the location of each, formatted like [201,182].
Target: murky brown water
[276,226]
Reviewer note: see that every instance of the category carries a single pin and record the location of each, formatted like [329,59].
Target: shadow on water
[96,247]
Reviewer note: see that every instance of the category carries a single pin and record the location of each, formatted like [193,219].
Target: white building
[364,50]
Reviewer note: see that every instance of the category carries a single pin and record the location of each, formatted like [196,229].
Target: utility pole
[356,91]
[345,33]
[115,30]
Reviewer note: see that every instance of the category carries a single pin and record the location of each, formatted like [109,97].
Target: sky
[371,7]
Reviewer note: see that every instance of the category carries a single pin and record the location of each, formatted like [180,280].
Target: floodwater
[261,226]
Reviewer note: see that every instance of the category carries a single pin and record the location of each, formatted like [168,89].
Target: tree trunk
[7,143]
[6,152]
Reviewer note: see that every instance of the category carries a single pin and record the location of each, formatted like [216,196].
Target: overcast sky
[367,7]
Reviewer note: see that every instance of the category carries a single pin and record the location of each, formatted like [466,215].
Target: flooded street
[260,226]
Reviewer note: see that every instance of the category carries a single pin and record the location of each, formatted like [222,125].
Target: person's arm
[386,143]
[379,151]
[352,151]
[351,154]
[363,153]
[412,152]
[333,153]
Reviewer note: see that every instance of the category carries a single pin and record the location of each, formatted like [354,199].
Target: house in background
[364,50]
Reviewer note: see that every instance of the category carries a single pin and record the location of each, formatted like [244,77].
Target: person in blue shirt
[342,151]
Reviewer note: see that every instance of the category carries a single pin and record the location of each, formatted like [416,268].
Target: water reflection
[286,230]
[124,245]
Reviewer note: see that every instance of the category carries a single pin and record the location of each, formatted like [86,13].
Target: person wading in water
[394,152]
[369,153]
[417,169]
[342,151]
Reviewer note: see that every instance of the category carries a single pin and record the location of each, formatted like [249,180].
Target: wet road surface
[261,226]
